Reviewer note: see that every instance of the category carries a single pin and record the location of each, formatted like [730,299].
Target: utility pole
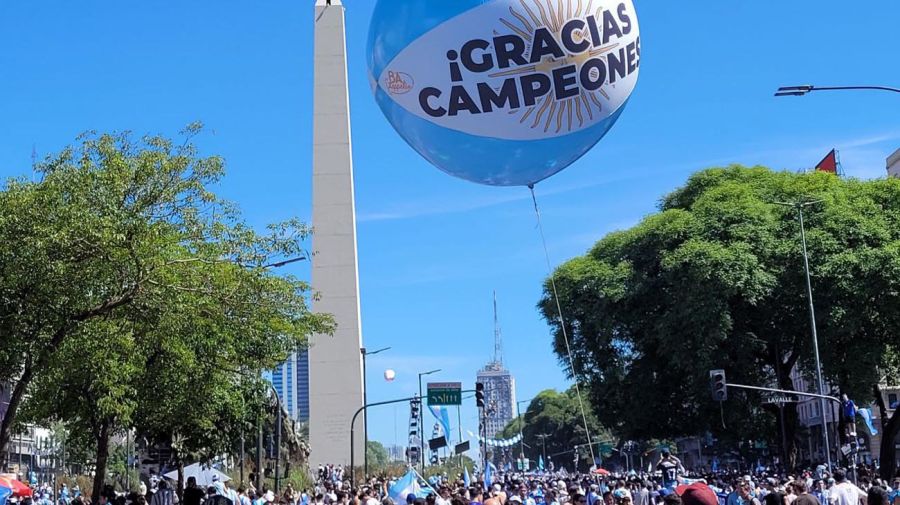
[421,423]
[543,437]
[812,320]
[365,353]
[259,451]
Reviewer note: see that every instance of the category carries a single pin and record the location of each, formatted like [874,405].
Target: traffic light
[718,385]
[479,394]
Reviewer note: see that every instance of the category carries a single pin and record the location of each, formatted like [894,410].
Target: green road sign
[444,393]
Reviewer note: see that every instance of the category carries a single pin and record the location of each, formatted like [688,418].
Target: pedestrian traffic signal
[718,385]
[479,394]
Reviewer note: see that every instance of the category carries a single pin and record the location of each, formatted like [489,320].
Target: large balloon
[503,92]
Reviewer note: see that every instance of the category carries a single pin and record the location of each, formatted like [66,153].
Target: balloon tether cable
[562,324]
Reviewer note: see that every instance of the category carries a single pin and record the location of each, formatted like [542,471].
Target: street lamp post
[259,477]
[808,88]
[521,436]
[365,353]
[421,426]
[812,320]
[543,437]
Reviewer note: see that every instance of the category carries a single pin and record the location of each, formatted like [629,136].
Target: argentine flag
[866,414]
[407,484]
[488,480]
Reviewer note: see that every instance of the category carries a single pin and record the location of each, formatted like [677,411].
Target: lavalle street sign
[444,393]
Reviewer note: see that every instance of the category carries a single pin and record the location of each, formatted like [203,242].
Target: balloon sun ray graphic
[525,116]
[530,14]
[528,27]
[554,24]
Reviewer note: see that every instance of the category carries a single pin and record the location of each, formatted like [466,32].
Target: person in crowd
[877,495]
[164,494]
[804,497]
[697,493]
[745,493]
[193,495]
[670,467]
[845,492]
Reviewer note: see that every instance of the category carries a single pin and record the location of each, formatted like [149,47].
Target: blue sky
[432,248]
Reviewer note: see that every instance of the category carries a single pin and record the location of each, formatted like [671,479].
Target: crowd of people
[669,485]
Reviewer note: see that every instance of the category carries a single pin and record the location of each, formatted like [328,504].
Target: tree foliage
[377,455]
[133,297]
[558,416]
[715,279]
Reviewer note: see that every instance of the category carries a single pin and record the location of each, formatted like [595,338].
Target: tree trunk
[43,358]
[101,461]
[890,428]
[15,401]
[790,415]
[180,486]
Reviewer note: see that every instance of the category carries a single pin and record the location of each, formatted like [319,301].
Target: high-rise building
[291,382]
[499,397]
[303,387]
[499,387]
[396,453]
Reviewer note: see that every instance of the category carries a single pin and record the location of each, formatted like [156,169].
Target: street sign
[444,393]
[780,399]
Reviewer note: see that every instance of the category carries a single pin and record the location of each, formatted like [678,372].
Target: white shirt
[845,493]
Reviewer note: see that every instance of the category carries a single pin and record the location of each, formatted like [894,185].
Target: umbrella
[205,475]
[17,488]
[601,471]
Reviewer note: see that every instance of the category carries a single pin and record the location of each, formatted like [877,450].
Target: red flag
[828,163]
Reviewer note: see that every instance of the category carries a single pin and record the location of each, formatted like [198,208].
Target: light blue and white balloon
[503,92]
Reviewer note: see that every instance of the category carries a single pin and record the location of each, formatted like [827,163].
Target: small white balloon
[389,375]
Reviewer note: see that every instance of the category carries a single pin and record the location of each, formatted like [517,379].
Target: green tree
[125,233]
[715,280]
[89,388]
[377,455]
[552,425]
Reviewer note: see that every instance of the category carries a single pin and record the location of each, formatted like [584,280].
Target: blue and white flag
[407,484]
[466,479]
[866,414]
[487,475]
[540,463]
[443,417]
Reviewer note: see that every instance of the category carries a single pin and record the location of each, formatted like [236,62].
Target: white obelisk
[335,362]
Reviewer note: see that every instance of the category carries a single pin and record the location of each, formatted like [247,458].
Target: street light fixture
[421,426]
[365,353]
[812,318]
[807,88]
